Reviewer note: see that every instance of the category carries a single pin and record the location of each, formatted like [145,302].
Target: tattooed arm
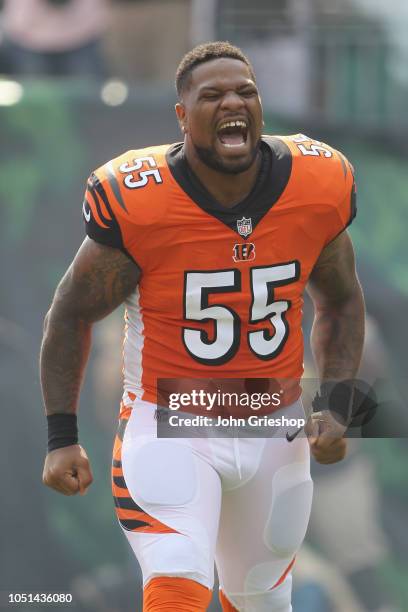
[98,280]
[338,330]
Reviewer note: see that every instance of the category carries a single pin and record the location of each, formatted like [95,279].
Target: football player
[210,243]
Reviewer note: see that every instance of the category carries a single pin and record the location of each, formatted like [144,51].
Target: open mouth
[233,133]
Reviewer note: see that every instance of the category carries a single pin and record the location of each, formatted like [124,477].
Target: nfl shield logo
[244,226]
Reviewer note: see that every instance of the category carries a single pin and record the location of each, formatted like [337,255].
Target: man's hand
[67,470]
[325,436]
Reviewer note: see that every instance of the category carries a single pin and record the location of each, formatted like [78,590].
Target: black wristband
[62,430]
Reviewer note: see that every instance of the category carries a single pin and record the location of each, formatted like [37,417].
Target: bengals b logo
[243,252]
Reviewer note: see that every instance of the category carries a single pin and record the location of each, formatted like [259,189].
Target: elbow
[61,326]
[344,302]
[356,299]
[58,318]
[46,322]
[352,306]
[52,316]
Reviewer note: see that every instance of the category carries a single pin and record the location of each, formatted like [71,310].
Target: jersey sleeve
[345,204]
[323,178]
[100,222]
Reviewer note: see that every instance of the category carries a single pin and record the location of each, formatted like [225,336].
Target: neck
[227,189]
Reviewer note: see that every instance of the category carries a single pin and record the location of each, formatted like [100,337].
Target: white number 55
[143,175]
[265,342]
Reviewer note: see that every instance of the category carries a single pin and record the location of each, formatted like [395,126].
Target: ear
[181,116]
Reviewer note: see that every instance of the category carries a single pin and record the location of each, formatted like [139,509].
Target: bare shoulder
[99,279]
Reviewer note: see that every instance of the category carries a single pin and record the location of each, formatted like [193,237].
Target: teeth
[227,124]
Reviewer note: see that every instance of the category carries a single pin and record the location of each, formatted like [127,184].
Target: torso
[220,294]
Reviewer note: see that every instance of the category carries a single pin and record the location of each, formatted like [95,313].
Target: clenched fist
[325,436]
[67,470]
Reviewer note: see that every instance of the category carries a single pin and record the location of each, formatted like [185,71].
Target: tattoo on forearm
[337,341]
[99,279]
[338,329]
[64,354]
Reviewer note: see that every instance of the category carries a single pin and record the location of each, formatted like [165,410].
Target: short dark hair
[205,53]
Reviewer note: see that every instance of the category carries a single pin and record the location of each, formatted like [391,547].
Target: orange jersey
[220,293]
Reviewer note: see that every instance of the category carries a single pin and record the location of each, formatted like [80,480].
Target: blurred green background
[351,92]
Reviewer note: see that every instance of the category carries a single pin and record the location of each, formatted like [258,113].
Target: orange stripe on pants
[228,607]
[285,573]
[172,594]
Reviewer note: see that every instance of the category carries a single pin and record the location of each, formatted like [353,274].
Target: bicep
[99,279]
[333,279]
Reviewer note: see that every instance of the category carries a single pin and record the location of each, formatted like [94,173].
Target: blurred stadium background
[77,89]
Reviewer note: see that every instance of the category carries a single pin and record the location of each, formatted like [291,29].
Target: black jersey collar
[274,174]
